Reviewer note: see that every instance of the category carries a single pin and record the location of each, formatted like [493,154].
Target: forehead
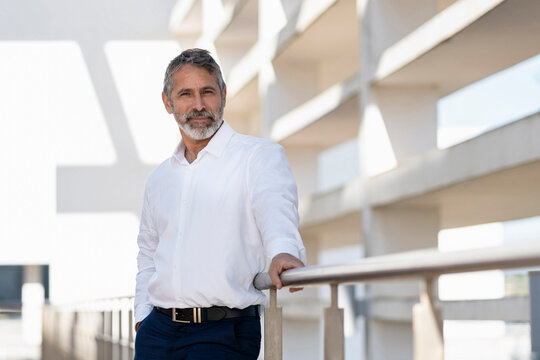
[191,76]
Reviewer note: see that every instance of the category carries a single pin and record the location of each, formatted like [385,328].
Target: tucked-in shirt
[207,228]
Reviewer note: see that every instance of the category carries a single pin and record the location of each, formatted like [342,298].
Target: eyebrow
[202,89]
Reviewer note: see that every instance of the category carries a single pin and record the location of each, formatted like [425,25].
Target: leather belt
[214,313]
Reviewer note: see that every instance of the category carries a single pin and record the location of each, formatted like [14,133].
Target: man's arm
[275,207]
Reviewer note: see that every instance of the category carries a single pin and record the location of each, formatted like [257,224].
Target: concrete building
[352,89]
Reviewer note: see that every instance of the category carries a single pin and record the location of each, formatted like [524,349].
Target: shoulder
[252,145]
[260,154]
[159,173]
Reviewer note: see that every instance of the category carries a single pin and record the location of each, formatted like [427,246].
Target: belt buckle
[197,318]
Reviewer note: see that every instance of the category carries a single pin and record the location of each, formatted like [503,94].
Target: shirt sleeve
[274,201]
[147,241]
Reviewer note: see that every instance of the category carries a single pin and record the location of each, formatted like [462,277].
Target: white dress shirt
[208,227]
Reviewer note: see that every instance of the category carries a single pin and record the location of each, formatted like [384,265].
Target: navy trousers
[158,337]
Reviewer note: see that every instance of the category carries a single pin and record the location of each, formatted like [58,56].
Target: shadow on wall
[91,24]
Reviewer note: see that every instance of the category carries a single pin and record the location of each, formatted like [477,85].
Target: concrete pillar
[385,22]
[284,85]
[410,118]
[399,121]
[391,230]
[33,297]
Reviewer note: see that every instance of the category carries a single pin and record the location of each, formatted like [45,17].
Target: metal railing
[103,329]
[99,329]
[425,265]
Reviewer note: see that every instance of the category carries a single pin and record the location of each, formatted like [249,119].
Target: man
[212,214]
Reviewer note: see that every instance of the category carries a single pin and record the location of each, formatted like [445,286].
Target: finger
[295,289]
[274,277]
[137,326]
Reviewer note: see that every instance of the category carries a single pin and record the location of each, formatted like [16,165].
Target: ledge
[462,44]
[509,309]
[493,177]
[230,13]
[180,23]
[307,13]
[315,109]
[330,205]
[244,71]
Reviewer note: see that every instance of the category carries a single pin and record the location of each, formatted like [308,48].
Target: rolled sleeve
[280,246]
[274,201]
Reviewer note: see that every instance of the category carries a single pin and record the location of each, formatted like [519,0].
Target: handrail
[412,264]
[424,265]
[104,328]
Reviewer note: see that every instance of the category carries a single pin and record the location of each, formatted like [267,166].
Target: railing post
[108,354]
[334,341]
[427,326]
[130,339]
[273,344]
[120,336]
[100,335]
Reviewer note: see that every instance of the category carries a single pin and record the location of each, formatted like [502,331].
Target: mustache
[203,113]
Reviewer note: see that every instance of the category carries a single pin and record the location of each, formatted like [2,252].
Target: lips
[199,116]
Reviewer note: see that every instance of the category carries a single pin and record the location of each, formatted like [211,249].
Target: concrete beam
[493,177]
[462,44]
[318,109]
[511,309]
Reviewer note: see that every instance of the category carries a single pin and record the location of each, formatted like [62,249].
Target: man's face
[196,102]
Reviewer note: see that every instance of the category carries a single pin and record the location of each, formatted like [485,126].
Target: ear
[166,102]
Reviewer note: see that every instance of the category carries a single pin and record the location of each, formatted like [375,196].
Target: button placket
[182,221]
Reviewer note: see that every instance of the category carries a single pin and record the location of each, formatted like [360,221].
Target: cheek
[178,107]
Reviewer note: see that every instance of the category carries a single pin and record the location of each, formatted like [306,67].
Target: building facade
[353,90]
[356,91]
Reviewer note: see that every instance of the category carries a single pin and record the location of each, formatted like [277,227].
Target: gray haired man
[212,214]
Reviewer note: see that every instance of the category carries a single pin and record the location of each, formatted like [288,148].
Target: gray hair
[196,57]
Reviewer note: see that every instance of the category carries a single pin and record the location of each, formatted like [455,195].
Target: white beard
[199,133]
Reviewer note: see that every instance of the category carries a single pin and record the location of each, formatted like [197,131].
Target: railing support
[131,350]
[273,344]
[108,349]
[120,337]
[427,326]
[334,338]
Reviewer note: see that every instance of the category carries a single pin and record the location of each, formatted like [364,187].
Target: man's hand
[279,264]
[137,326]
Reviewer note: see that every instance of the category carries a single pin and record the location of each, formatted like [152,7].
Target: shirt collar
[215,146]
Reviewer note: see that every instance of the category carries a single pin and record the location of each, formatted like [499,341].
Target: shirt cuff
[287,246]
[142,311]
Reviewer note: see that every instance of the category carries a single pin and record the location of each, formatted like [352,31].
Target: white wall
[81,125]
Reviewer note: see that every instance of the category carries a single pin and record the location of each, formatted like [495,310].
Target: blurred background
[408,125]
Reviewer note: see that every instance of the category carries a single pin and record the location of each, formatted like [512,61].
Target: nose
[198,103]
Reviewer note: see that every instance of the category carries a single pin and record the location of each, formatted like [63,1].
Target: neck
[193,147]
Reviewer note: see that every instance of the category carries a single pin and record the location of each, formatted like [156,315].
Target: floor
[12,342]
